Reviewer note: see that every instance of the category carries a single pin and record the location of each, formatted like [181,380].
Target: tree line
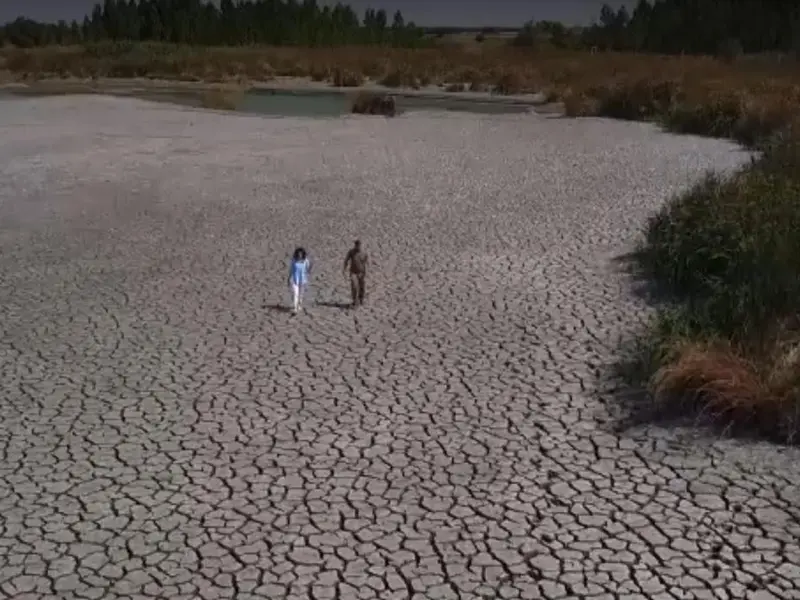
[201,22]
[660,26]
[699,27]
[710,27]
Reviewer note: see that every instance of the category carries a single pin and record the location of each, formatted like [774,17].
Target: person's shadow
[339,305]
[279,308]
[287,309]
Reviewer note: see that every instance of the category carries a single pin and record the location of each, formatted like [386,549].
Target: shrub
[510,82]
[717,116]
[579,105]
[367,103]
[470,78]
[402,77]
[346,78]
[320,74]
[637,100]
[731,249]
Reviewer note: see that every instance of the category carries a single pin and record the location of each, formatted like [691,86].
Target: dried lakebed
[168,431]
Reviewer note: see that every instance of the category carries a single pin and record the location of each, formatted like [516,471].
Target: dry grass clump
[320,74]
[401,77]
[346,78]
[511,82]
[718,383]
[578,105]
[466,79]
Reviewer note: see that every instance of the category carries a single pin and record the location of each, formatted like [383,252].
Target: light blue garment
[299,272]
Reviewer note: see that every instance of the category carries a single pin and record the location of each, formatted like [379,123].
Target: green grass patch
[727,253]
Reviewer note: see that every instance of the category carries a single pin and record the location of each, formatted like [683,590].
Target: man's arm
[347,260]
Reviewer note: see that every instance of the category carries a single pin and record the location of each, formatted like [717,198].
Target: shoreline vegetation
[724,345]
[697,94]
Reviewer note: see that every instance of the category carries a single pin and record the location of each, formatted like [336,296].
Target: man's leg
[354,288]
[361,289]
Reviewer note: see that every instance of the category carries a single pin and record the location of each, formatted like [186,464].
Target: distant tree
[86,29]
[99,31]
[75,33]
[61,33]
[730,49]
[381,19]
[398,23]
[638,25]
[526,37]
[608,18]
[112,19]
[795,38]
[150,20]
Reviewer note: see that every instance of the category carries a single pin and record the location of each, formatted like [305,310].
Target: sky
[458,13]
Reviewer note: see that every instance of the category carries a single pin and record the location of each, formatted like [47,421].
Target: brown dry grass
[584,81]
[346,78]
[716,380]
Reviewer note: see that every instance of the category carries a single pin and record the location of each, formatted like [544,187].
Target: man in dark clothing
[356,259]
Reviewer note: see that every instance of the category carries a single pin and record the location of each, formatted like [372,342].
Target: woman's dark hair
[299,254]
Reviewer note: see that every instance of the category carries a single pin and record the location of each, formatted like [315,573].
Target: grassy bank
[569,75]
[725,346]
[728,252]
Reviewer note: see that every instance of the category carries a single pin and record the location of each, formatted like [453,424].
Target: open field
[169,431]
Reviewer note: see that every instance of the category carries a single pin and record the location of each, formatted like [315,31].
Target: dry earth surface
[169,431]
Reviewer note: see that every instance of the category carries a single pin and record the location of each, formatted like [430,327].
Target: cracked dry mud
[168,431]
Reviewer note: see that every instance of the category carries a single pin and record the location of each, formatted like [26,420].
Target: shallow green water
[334,104]
[285,104]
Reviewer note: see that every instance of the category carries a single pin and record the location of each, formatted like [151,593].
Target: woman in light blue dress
[298,278]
